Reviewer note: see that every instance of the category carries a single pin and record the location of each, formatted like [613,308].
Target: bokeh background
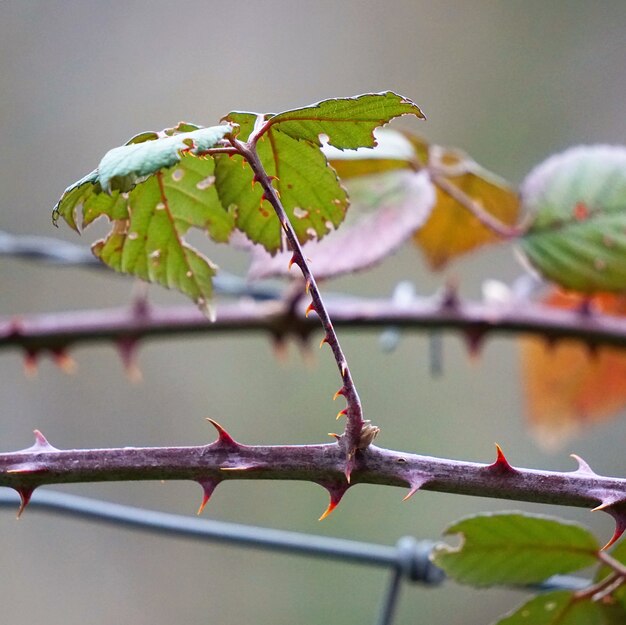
[510,82]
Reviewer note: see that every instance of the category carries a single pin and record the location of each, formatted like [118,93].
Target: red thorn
[254,180]
[270,178]
[501,465]
[127,348]
[208,486]
[223,437]
[341,391]
[292,261]
[324,340]
[30,362]
[309,309]
[336,492]
[64,361]
[337,436]
[474,338]
[342,413]
[25,494]
[263,198]
[617,509]
[583,467]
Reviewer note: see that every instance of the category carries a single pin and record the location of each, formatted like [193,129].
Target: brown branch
[476,321]
[225,459]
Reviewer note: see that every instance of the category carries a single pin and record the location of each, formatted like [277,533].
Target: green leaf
[564,608]
[309,189]
[348,123]
[150,219]
[578,235]
[149,245]
[121,168]
[515,548]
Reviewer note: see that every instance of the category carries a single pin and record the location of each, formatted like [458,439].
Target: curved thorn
[341,391]
[501,465]
[415,483]
[208,486]
[583,467]
[342,413]
[324,340]
[223,437]
[25,495]
[309,309]
[336,492]
[292,261]
[307,286]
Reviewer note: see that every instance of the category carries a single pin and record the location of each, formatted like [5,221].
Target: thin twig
[352,437]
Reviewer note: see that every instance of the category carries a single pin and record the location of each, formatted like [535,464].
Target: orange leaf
[568,385]
[452,229]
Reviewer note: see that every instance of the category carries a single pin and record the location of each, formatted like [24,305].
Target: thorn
[292,261]
[474,338]
[307,286]
[349,465]
[223,437]
[245,467]
[279,347]
[25,494]
[254,180]
[450,300]
[342,413]
[41,443]
[336,492]
[309,309]
[127,348]
[324,340]
[501,465]
[341,391]
[208,486]
[64,361]
[617,509]
[337,436]
[415,483]
[344,368]
[583,467]
[30,363]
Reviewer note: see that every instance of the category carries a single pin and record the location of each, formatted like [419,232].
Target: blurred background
[509,82]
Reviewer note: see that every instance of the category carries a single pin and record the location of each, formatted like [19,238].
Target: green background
[510,82]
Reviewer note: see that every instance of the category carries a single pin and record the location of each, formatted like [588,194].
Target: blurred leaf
[348,123]
[385,210]
[578,236]
[564,608]
[567,385]
[309,190]
[452,229]
[515,548]
[149,218]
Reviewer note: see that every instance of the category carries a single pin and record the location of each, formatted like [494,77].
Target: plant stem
[226,459]
[351,440]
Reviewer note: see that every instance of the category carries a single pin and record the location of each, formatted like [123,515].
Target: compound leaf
[578,236]
[515,548]
[348,123]
[564,608]
[309,189]
[159,187]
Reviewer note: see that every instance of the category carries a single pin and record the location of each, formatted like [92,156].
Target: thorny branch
[358,433]
[225,459]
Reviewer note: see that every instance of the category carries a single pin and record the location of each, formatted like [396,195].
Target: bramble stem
[351,438]
[226,459]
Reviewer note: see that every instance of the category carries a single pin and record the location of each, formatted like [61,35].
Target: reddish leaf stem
[351,440]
